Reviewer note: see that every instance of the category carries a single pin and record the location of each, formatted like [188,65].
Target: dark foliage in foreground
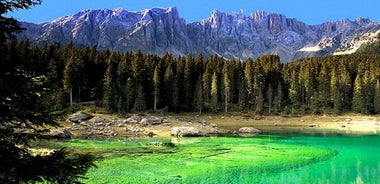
[25,112]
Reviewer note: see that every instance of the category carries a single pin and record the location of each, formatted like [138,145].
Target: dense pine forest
[137,82]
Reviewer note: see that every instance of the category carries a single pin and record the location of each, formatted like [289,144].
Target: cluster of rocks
[142,125]
[103,126]
[194,128]
[144,121]
[97,126]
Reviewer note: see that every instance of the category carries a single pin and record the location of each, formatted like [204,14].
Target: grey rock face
[232,36]
[78,117]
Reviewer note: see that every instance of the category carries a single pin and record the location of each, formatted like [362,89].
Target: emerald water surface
[260,159]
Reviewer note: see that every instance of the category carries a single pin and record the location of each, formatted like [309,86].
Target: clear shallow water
[357,161]
[263,159]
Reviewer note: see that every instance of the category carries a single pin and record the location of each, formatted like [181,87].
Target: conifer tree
[206,82]
[376,100]
[323,89]
[175,95]
[227,86]
[140,104]
[129,95]
[168,84]
[270,94]
[358,101]
[294,89]
[346,87]
[109,89]
[336,93]
[156,84]
[249,80]
[25,115]
[278,99]
[188,81]
[198,97]
[214,92]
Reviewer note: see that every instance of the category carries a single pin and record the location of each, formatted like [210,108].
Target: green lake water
[260,159]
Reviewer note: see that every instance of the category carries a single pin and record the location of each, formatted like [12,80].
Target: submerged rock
[186,132]
[159,144]
[249,130]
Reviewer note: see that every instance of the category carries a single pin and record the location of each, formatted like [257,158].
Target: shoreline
[119,127]
[308,124]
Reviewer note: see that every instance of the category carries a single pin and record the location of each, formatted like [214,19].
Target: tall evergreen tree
[358,101]
[156,84]
[294,88]
[376,100]
[109,89]
[25,115]
[73,77]
[227,86]
[198,97]
[346,87]
[278,99]
[270,95]
[323,89]
[206,82]
[249,80]
[168,85]
[336,92]
[214,92]
[140,104]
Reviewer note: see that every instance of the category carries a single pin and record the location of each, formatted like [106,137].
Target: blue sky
[308,11]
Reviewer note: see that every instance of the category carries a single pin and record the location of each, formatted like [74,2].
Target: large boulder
[151,120]
[100,121]
[133,119]
[186,132]
[79,117]
[249,130]
[154,120]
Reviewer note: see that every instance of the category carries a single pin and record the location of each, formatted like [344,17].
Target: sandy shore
[228,124]
[309,124]
[355,124]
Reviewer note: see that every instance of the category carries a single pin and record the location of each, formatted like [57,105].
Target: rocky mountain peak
[229,35]
[258,15]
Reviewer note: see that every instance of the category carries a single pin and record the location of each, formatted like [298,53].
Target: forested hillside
[136,82]
[370,48]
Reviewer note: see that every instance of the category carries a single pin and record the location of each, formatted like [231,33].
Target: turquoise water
[357,161]
[284,159]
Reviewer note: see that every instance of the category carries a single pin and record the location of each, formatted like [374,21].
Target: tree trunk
[155,103]
[71,96]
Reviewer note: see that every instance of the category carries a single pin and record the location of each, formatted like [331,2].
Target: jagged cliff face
[232,36]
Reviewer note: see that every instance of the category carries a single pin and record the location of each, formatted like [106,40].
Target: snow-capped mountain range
[232,36]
